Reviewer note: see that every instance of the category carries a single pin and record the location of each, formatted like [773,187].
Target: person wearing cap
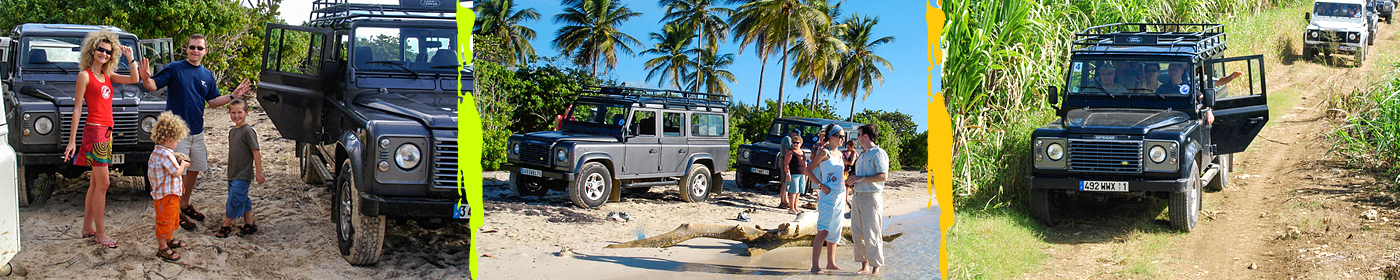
[872,167]
[1108,79]
[829,175]
[793,164]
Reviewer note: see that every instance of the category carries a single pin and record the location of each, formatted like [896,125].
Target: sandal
[187,224]
[191,213]
[223,232]
[246,230]
[168,254]
[175,244]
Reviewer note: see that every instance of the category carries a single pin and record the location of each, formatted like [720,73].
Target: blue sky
[904,90]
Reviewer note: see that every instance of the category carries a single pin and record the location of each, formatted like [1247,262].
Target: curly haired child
[164,171]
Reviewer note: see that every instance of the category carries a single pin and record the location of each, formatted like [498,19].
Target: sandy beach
[295,239]
[548,238]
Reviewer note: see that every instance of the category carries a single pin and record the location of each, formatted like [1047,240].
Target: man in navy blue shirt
[191,89]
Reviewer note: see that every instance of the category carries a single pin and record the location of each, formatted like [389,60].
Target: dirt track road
[1291,211]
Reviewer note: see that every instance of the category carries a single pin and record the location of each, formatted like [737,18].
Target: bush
[915,151]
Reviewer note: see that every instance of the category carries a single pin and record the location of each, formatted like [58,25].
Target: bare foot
[875,271]
[863,271]
[816,270]
[832,266]
[87,232]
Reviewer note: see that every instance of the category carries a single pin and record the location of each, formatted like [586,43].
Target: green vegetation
[499,18]
[994,244]
[1369,138]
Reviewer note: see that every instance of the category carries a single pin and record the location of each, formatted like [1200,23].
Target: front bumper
[415,207]
[129,157]
[757,172]
[1071,183]
[544,172]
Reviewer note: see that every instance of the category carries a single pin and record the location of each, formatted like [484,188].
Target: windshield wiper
[55,65]
[394,63]
[1110,95]
[1152,91]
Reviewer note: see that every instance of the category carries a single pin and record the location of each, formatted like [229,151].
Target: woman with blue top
[827,171]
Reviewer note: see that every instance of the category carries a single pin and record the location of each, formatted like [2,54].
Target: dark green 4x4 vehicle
[369,94]
[1134,118]
[617,138]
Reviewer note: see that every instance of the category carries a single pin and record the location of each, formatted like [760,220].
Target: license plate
[1103,186]
[118,159]
[531,172]
[759,171]
[1348,48]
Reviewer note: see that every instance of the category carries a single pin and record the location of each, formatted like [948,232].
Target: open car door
[291,87]
[160,52]
[1241,106]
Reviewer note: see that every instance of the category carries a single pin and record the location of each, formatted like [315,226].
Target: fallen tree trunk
[797,233]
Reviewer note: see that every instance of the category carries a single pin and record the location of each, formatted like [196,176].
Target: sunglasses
[104,50]
[195,48]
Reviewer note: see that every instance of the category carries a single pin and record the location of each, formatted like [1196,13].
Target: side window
[410,51]
[672,123]
[709,125]
[294,51]
[643,123]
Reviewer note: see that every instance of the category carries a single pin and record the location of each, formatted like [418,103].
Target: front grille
[1113,156]
[124,133]
[1334,36]
[445,163]
[536,154]
[762,158]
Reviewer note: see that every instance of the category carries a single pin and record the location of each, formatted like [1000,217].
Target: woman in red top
[96,91]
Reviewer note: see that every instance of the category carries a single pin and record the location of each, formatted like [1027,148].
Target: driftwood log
[798,233]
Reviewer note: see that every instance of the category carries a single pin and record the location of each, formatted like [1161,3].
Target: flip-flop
[111,244]
[168,255]
[191,213]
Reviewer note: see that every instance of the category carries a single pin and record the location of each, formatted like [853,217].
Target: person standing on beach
[872,167]
[94,89]
[793,164]
[191,89]
[829,174]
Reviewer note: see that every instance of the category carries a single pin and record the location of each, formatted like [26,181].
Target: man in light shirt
[872,167]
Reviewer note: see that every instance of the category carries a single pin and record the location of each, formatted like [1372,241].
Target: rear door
[160,52]
[675,150]
[291,87]
[1241,106]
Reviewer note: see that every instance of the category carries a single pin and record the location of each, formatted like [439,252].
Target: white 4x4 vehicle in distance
[1340,26]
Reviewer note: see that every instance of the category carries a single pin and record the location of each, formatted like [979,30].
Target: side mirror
[1053,96]
[1209,98]
[1307,16]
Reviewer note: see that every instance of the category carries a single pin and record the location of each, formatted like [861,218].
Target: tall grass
[1369,137]
[1001,57]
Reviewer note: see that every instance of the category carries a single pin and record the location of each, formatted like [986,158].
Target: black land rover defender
[40,76]
[369,94]
[760,162]
[1133,118]
[632,138]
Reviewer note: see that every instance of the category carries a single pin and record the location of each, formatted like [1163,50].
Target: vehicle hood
[765,146]
[1120,121]
[1337,24]
[61,93]
[554,136]
[435,110]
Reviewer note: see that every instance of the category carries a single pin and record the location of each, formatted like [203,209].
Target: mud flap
[616,194]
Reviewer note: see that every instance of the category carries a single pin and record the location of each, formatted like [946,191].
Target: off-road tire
[1185,208]
[1222,178]
[592,187]
[35,187]
[695,186]
[1042,204]
[1308,53]
[309,174]
[742,181]
[523,186]
[360,238]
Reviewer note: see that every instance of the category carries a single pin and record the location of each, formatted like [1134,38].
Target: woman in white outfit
[828,173]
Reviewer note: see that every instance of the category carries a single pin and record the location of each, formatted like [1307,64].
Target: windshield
[1337,10]
[405,49]
[782,129]
[1121,77]
[598,113]
[61,53]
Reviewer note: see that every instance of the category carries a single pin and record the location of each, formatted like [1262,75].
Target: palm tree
[673,59]
[858,70]
[498,18]
[710,71]
[590,32]
[815,66]
[704,15]
[779,23]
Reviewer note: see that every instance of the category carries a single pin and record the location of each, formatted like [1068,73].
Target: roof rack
[664,97]
[1204,38]
[336,12]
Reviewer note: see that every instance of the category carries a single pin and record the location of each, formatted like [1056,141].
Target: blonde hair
[91,43]
[169,128]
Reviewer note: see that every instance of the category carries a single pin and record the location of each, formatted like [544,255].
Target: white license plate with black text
[1347,48]
[759,170]
[531,172]
[1103,186]
[118,158]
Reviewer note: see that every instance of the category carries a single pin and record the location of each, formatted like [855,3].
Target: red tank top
[99,99]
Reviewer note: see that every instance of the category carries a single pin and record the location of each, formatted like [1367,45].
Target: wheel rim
[593,186]
[699,185]
[346,208]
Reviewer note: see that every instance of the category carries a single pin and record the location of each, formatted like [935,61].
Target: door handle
[680,151]
[652,151]
[274,98]
[1256,120]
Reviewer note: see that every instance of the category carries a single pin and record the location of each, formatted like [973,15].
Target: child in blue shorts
[244,164]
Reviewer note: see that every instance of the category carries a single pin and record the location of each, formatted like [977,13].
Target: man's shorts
[97,147]
[238,202]
[167,216]
[193,146]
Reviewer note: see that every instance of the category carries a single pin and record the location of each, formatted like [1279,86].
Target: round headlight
[561,155]
[1157,154]
[744,154]
[147,124]
[515,149]
[1312,34]
[1351,36]
[43,125]
[1055,151]
[407,156]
